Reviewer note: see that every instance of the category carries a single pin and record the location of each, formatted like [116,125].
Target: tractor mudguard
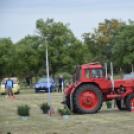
[68,89]
[71,88]
[75,87]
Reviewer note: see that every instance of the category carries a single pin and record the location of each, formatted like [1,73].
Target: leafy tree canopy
[58,38]
[124,45]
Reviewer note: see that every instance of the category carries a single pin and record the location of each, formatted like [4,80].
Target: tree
[92,46]
[101,42]
[29,46]
[6,53]
[78,53]
[28,56]
[59,38]
[124,46]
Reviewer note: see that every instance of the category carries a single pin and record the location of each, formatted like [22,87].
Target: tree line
[111,41]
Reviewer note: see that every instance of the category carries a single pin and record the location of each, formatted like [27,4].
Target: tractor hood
[124,82]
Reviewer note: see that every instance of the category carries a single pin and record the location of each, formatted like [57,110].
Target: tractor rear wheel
[87,99]
[68,101]
[118,104]
[130,101]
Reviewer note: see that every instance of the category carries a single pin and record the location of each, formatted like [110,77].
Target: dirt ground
[106,121]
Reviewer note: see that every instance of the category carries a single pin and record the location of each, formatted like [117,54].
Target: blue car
[42,85]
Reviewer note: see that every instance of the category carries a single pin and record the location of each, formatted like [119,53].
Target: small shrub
[108,102]
[44,106]
[23,110]
[64,111]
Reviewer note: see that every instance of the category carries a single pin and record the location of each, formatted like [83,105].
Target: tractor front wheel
[87,99]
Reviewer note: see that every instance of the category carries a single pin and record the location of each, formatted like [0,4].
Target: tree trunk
[53,76]
[31,82]
[36,78]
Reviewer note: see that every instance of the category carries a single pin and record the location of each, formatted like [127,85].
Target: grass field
[106,121]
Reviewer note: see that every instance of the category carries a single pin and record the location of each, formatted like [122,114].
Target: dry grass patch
[104,122]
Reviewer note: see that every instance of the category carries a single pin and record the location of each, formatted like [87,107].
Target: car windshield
[4,81]
[44,80]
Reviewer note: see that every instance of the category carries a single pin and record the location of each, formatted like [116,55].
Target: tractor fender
[69,89]
[79,84]
[128,92]
[75,87]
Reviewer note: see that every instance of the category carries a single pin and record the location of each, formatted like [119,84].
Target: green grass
[106,121]
[27,91]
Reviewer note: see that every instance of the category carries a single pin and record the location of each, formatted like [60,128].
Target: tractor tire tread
[128,100]
[118,104]
[77,108]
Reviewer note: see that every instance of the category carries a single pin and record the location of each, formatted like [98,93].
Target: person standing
[60,81]
[9,86]
[28,81]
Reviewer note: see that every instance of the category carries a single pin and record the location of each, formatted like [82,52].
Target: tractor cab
[86,71]
[93,73]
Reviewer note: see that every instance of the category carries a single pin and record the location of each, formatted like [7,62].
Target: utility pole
[47,71]
[132,67]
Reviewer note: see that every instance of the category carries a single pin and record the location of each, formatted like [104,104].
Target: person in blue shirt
[9,86]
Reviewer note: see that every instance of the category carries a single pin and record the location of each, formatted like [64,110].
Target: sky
[18,17]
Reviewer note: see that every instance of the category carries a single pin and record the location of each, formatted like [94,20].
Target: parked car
[128,76]
[16,85]
[42,85]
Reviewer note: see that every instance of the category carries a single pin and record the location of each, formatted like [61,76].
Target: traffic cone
[132,107]
[10,96]
[13,96]
[52,111]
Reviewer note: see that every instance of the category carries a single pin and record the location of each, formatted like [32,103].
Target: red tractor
[92,87]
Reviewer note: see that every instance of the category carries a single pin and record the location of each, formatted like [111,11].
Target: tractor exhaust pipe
[111,74]
[106,68]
